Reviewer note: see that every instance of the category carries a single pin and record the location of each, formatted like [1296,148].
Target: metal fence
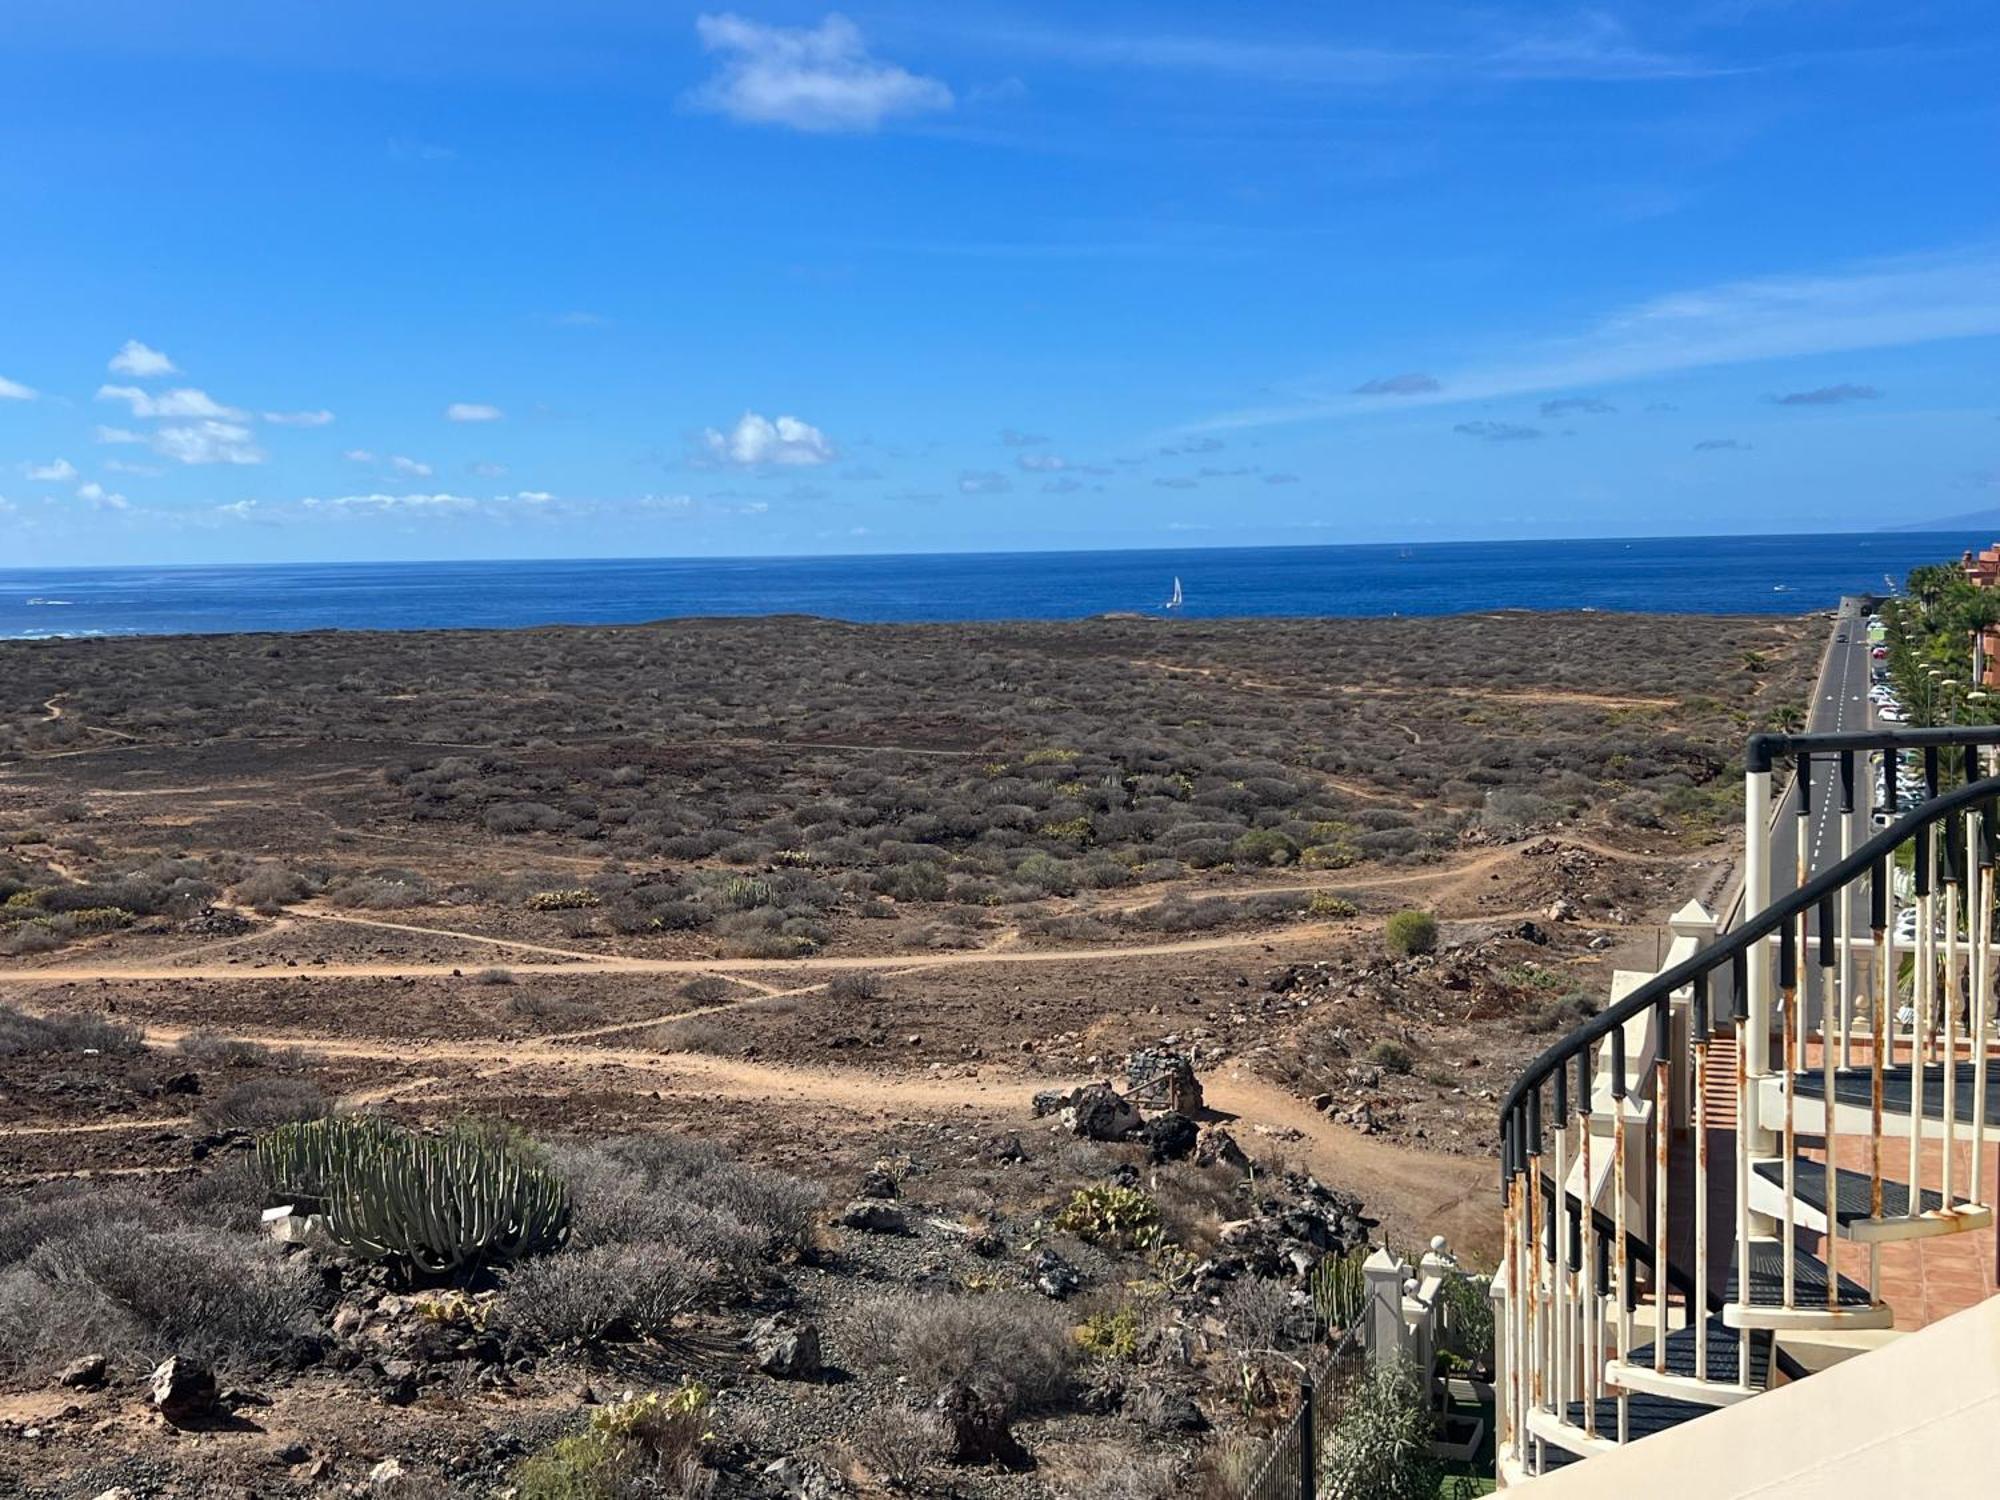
[1290,1466]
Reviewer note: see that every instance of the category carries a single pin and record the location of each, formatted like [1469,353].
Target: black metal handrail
[1763,750]
[1739,944]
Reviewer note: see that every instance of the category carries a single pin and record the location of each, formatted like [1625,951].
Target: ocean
[1699,575]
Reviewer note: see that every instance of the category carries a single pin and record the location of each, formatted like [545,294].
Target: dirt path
[1431,1194]
[1413,690]
[1417,1193]
[53,711]
[733,967]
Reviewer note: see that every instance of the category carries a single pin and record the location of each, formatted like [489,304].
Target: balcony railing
[1702,1178]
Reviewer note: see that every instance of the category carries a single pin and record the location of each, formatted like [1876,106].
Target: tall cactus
[437,1204]
[1339,1290]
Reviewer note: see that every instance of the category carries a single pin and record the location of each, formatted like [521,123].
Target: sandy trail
[1434,1194]
[1395,690]
[733,967]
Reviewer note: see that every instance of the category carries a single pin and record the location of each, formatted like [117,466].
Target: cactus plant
[1339,1290]
[434,1204]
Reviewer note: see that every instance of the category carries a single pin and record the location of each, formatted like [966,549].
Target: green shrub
[648,1446]
[1409,932]
[432,1204]
[1391,1056]
[1326,904]
[1110,1335]
[1264,846]
[572,900]
[1380,1447]
[1468,1317]
[1120,1217]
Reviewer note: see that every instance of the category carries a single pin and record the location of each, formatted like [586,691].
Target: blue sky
[620,277]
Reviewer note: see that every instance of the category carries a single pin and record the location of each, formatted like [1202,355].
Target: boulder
[384,1474]
[1217,1146]
[876,1183]
[873,1216]
[1171,1410]
[976,1428]
[397,1384]
[1099,1112]
[182,1390]
[1171,1136]
[85,1374]
[1052,1101]
[785,1348]
[1053,1276]
[801,1480]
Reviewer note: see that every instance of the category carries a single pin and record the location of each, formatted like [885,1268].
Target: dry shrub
[117,1273]
[898,1445]
[669,1189]
[260,1103]
[65,1031]
[604,1294]
[1010,1345]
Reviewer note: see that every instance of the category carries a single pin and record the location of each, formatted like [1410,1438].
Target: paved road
[1840,704]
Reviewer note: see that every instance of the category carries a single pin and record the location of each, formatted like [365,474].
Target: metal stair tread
[1854,1191]
[1765,1305]
[1855,1087]
[1720,1386]
[1646,1414]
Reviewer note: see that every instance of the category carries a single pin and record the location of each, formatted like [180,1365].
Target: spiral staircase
[1700,1185]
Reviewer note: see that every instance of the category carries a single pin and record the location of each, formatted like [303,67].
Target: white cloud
[359,456]
[1884,305]
[13,390]
[756,441]
[472,411]
[817,78]
[119,435]
[409,466]
[1591,46]
[120,466]
[380,504]
[208,443]
[98,498]
[181,402]
[138,360]
[1041,463]
[983,482]
[486,469]
[320,418]
[57,471]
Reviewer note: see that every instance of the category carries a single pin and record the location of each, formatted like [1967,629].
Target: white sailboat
[1175,602]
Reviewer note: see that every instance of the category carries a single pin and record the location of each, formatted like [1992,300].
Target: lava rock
[786,1348]
[1053,1276]
[1171,1410]
[876,1183]
[1098,1112]
[85,1374]
[1171,1136]
[1052,1101]
[182,1390]
[873,1216]
[1217,1145]
[976,1429]
[800,1480]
